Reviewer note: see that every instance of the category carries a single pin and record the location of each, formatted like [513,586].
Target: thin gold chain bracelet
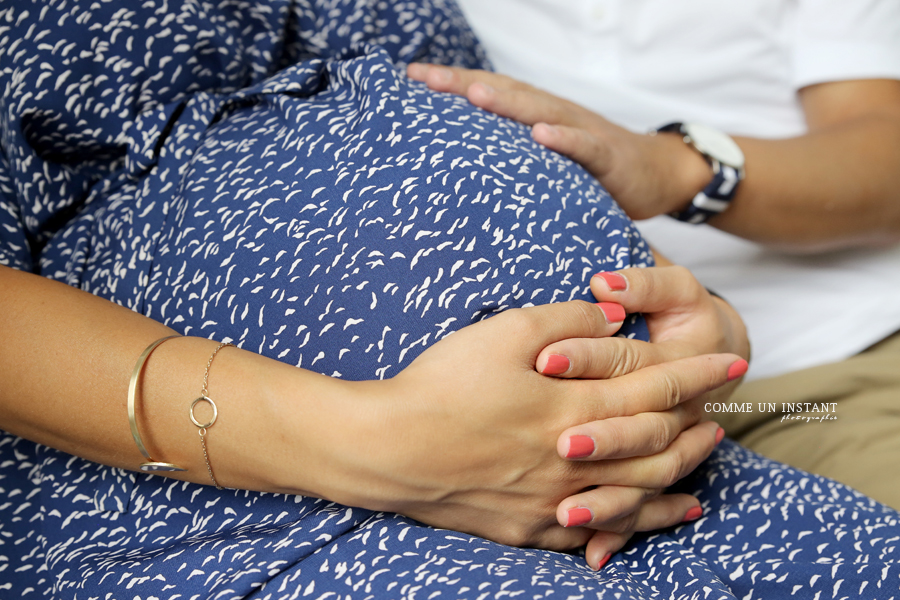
[204,427]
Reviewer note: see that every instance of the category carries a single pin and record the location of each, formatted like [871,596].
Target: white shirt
[736,66]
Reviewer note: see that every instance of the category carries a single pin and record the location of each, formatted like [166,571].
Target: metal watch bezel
[715,144]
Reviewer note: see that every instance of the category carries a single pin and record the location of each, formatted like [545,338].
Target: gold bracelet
[204,397]
[151,464]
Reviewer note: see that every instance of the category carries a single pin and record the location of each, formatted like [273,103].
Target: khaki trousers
[855,438]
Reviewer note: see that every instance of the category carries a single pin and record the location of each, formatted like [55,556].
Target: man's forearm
[833,188]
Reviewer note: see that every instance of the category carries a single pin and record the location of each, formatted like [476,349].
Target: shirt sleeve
[839,40]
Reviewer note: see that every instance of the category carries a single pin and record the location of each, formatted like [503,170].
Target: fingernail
[578,516]
[416,71]
[615,313]
[543,129]
[580,446]
[615,281]
[443,75]
[484,88]
[603,561]
[720,434]
[693,514]
[737,369]
[556,364]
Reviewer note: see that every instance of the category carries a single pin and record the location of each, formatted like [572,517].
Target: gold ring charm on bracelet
[204,397]
[214,416]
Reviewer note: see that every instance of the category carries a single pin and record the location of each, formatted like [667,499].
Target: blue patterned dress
[264,173]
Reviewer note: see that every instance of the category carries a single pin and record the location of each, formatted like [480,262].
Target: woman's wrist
[734,331]
[315,435]
[280,429]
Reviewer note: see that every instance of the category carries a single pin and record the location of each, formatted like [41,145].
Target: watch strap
[718,193]
[714,198]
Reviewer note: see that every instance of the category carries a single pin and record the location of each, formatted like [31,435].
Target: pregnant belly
[342,218]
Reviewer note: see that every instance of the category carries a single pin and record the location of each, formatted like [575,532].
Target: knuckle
[604,513]
[588,317]
[614,507]
[625,357]
[660,435]
[688,283]
[614,440]
[518,534]
[627,523]
[682,272]
[522,321]
[671,389]
[589,360]
[671,469]
[691,412]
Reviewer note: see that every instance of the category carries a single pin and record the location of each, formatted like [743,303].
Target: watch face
[715,144]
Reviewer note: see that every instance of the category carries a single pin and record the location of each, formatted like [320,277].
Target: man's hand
[647,175]
[835,187]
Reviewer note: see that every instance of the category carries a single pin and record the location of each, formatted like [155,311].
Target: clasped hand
[479,440]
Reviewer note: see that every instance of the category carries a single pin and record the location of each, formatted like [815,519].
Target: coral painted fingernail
[615,281]
[737,369]
[720,434]
[603,561]
[556,364]
[693,514]
[579,516]
[580,446]
[613,312]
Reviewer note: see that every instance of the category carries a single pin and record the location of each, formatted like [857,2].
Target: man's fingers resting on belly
[499,94]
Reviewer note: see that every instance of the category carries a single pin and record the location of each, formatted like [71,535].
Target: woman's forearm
[66,359]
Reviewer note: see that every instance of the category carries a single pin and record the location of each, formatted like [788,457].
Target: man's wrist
[726,161]
[688,173]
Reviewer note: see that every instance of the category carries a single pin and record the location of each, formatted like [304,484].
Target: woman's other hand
[647,175]
[684,320]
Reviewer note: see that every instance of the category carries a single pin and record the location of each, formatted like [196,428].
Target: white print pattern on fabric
[264,174]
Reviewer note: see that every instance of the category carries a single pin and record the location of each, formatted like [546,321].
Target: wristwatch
[726,161]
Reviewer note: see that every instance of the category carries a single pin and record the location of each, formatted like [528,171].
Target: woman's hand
[647,175]
[684,320]
[465,437]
